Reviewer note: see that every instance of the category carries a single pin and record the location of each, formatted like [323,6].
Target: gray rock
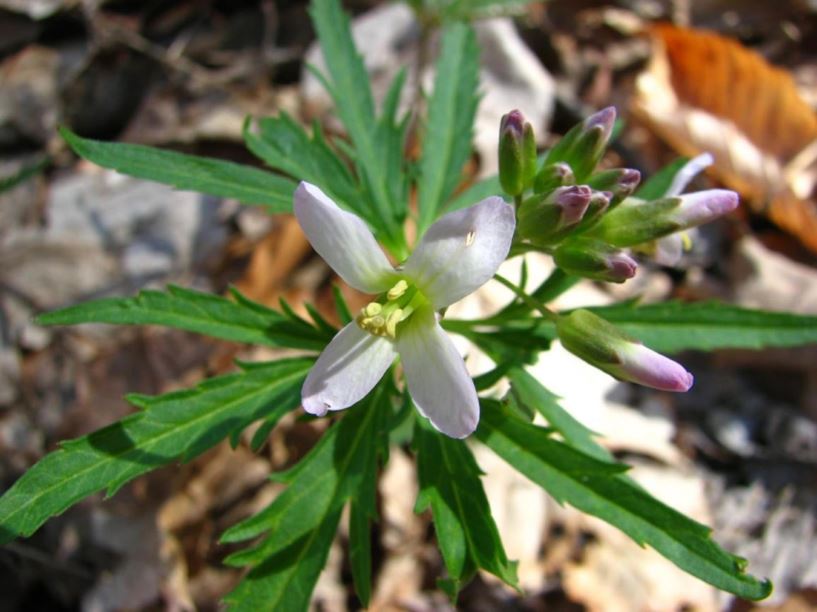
[28,99]
[105,234]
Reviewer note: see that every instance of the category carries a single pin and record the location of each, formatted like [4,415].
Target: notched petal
[347,369]
[462,251]
[343,240]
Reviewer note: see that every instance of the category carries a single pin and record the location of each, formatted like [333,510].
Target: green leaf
[657,185]
[171,427]
[300,522]
[475,193]
[670,327]
[599,488]
[284,145]
[519,341]
[451,111]
[532,394]
[349,87]
[477,9]
[341,307]
[239,320]
[450,485]
[286,578]
[28,170]
[204,174]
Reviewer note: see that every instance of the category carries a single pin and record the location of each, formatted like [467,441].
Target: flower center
[382,316]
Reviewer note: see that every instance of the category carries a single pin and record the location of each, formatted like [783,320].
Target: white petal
[349,367]
[689,171]
[669,250]
[437,379]
[343,240]
[462,251]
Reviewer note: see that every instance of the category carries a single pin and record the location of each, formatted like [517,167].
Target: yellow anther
[398,290]
[372,309]
[686,241]
[392,321]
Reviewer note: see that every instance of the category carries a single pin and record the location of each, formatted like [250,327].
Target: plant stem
[531,303]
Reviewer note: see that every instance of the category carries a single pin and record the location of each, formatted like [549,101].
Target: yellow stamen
[686,241]
[372,309]
[398,290]
[392,321]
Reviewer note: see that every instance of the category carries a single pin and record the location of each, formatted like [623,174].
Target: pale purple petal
[347,369]
[343,240]
[437,379]
[689,171]
[646,367]
[621,266]
[704,206]
[606,118]
[462,251]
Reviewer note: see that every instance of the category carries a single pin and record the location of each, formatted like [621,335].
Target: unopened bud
[636,221]
[583,146]
[546,220]
[604,346]
[517,153]
[553,176]
[594,259]
[704,206]
[619,182]
[598,205]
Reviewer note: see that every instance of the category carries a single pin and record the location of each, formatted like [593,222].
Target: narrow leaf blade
[300,522]
[599,488]
[205,174]
[450,484]
[239,320]
[670,327]
[453,104]
[174,426]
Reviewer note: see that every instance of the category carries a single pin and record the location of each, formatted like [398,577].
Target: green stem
[529,301]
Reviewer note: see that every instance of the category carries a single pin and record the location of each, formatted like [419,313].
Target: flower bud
[517,153]
[604,346]
[583,146]
[547,219]
[619,182]
[598,205]
[636,221]
[552,176]
[594,259]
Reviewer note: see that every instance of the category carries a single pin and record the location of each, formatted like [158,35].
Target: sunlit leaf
[600,488]
[205,174]
[172,427]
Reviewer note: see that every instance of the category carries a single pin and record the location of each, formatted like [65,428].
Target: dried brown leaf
[704,92]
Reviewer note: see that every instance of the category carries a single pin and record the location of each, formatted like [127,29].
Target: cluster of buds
[591,221]
[587,218]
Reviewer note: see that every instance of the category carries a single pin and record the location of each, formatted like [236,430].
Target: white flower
[457,255]
[670,249]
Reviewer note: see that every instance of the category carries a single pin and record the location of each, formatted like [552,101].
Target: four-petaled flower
[457,255]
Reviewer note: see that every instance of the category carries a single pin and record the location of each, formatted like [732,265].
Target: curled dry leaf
[704,92]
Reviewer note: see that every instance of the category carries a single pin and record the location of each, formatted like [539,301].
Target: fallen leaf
[705,92]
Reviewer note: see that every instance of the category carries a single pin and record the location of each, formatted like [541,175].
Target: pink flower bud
[605,118]
[517,153]
[704,206]
[595,259]
[604,346]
